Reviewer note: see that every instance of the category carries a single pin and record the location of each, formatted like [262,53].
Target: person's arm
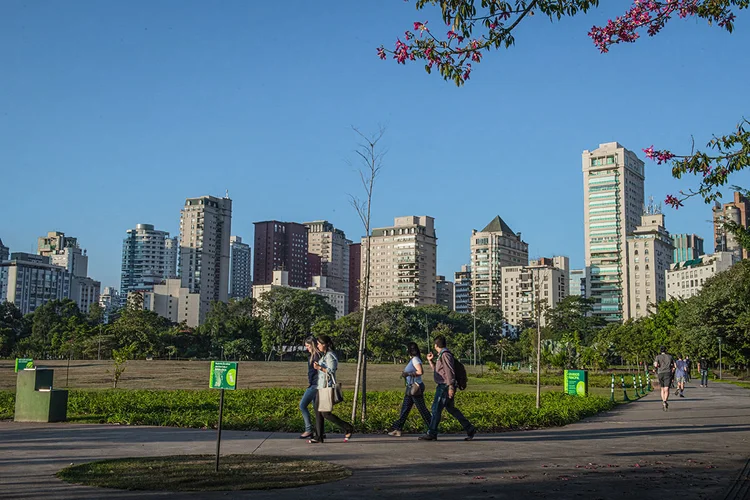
[418,371]
[430,356]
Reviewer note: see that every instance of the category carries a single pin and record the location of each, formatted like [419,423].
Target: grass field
[192,375]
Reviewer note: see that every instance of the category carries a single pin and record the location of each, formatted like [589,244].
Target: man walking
[703,369]
[664,365]
[444,374]
[689,370]
[680,376]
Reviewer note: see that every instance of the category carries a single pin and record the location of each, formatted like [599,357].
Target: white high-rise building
[171,252]
[404,262]
[493,248]
[331,245]
[205,229]
[146,261]
[30,281]
[240,269]
[650,250]
[543,279]
[173,301]
[686,278]
[612,206]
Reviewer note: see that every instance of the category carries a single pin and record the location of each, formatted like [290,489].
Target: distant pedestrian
[414,394]
[679,375]
[689,370]
[312,386]
[444,374]
[326,367]
[664,365]
[703,369]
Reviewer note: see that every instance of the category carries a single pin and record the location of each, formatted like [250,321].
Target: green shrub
[277,410]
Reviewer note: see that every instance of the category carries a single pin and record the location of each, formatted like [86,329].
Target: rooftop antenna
[227,194]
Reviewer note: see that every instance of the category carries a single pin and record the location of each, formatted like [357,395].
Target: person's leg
[450,407]
[405,409]
[422,407]
[704,378]
[441,394]
[307,398]
[344,426]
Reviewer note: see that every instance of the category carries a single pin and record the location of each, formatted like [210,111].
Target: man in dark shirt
[703,369]
[664,365]
[444,374]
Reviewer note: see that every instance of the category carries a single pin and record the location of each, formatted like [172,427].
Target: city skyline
[175,96]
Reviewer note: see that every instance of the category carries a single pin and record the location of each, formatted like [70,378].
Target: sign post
[23,363]
[223,376]
[577,382]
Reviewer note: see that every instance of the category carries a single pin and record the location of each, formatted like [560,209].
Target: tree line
[275,326]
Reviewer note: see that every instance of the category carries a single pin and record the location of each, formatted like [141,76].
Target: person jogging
[664,365]
[680,376]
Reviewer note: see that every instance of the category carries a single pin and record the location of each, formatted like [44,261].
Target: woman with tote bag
[326,367]
[414,394]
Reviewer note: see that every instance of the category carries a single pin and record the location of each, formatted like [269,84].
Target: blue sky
[112,113]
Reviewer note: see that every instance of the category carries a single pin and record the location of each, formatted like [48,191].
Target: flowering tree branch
[477,26]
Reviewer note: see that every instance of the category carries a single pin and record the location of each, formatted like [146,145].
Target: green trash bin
[36,400]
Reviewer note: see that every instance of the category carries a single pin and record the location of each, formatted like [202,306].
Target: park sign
[23,363]
[223,375]
[576,382]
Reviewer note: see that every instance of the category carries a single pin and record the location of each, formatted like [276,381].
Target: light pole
[719,358]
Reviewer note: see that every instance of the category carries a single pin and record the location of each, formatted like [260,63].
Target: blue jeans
[704,377]
[307,398]
[442,401]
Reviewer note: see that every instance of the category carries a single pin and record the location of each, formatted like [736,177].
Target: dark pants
[406,406]
[704,377]
[327,415]
[442,401]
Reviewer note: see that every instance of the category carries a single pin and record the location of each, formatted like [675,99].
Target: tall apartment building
[403,262]
[55,242]
[444,290]
[579,279]
[4,252]
[612,206]
[355,272]
[30,281]
[85,292]
[280,246]
[686,278]
[462,290]
[240,268]
[543,280]
[331,245]
[205,228]
[493,248]
[171,254]
[649,249]
[686,247]
[738,211]
[146,261]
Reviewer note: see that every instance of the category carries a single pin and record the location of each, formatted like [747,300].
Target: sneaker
[395,433]
[682,395]
[676,393]
[427,437]
[470,434]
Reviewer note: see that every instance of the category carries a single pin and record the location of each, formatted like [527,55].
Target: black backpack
[460,370]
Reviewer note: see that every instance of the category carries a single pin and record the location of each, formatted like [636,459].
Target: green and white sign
[576,382]
[223,375]
[22,363]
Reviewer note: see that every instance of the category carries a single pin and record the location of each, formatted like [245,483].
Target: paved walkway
[697,450]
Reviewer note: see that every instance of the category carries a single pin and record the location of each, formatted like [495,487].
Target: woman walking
[414,394]
[312,387]
[326,366]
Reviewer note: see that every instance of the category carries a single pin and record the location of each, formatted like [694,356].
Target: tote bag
[329,396]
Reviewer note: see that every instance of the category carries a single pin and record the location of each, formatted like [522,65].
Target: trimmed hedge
[277,409]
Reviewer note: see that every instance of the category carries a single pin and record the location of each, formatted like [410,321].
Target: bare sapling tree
[370,160]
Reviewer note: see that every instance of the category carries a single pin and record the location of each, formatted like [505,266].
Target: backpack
[460,370]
